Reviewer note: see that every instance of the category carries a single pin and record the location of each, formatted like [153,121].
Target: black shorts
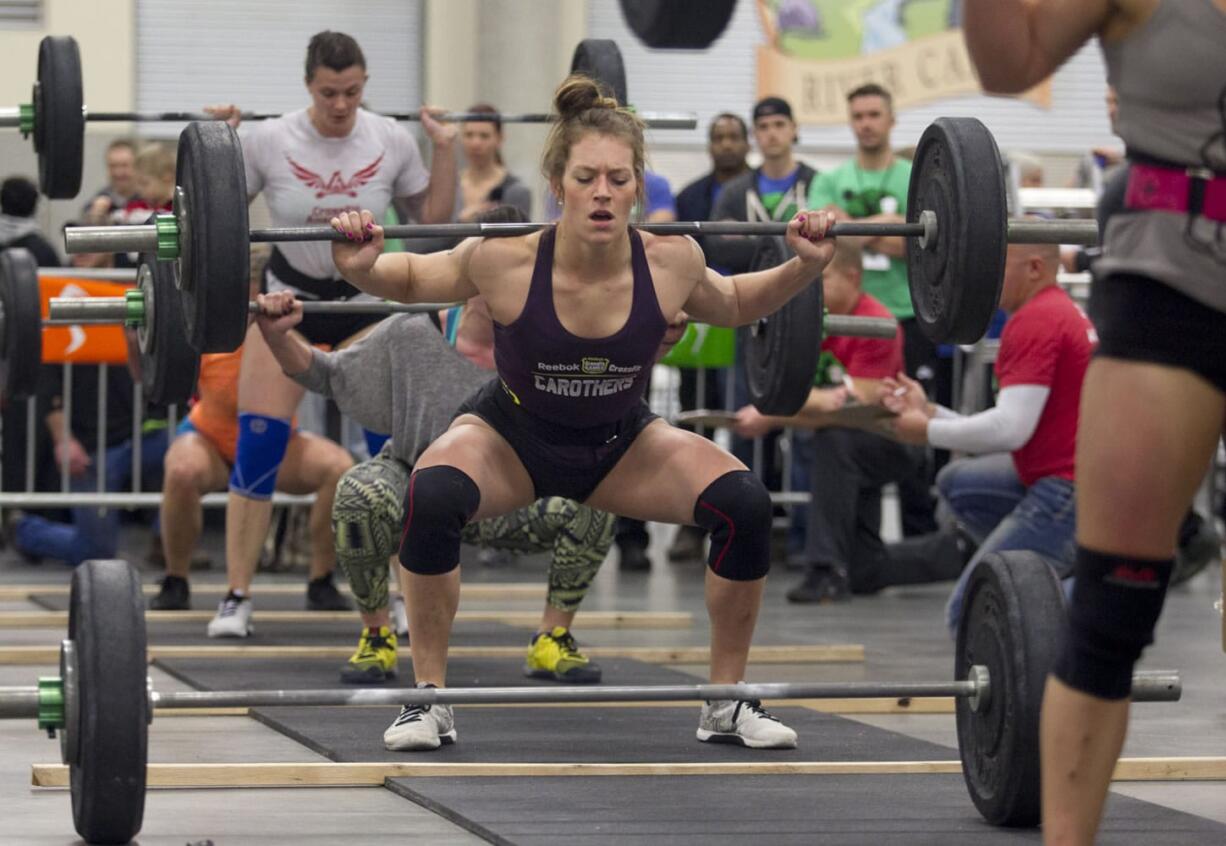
[1141,319]
[560,460]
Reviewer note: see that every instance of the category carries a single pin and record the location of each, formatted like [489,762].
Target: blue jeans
[93,532]
[986,496]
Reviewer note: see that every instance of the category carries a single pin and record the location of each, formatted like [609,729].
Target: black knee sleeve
[440,500]
[736,510]
[1115,606]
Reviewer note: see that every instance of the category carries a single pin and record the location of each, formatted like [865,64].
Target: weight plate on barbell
[169,366]
[678,24]
[23,331]
[601,59]
[1012,620]
[783,349]
[214,263]
[106,623]
[59,122]
[955,281]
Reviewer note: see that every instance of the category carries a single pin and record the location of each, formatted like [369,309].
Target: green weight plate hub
[168,236]
[134,305]
[50,703]
[25,116]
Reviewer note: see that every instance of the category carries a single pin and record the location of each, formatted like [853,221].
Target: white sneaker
[400,617]
[420,727]
[233,618]
[744,722]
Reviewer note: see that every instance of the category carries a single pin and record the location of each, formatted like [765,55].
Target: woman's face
[335,98]
[599,187]
[481,141]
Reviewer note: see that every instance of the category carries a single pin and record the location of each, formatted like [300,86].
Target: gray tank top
[1170,76]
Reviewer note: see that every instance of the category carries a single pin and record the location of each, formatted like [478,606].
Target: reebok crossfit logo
[335,185]
[591,377]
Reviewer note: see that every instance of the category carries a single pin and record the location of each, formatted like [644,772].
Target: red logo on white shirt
[335,184]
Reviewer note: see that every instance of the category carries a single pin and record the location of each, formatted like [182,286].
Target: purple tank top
[578,382]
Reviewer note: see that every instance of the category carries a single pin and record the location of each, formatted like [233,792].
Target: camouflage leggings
[368,514]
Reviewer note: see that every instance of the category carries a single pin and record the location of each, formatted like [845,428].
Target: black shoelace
[755,706]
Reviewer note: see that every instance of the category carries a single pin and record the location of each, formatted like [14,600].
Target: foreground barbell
[56,114]
[956,232]
[102,702]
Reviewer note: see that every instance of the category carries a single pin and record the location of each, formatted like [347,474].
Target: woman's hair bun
[578,94]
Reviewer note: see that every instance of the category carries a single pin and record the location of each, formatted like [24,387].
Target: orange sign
[81,344]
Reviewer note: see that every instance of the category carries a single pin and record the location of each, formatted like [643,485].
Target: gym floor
[903,639]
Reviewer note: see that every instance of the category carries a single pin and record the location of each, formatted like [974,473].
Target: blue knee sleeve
[374,441]
[736,510]
[440,500]
[261,449]
[1115,606]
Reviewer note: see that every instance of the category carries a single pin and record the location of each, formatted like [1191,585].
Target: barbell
[56,114]
[102,701]
[170,366]
[956,233]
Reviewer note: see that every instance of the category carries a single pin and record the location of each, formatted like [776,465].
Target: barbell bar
[13,117]
[28,702]
[56,114]
[153,237]
[130,309]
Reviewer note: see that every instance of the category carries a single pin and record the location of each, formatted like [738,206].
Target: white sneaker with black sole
[233,618]
[743,722]
[420,728]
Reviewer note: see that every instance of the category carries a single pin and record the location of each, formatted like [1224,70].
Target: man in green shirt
[872,188]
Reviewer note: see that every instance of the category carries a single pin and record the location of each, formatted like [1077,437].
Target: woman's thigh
[262,387]
[661,475]
[473,446]
[1145,438]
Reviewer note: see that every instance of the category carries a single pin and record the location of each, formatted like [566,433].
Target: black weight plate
[601,59]
[22,324]
[783,349]
[214,240]
[955,284]
[106,623]
[59,123]
[168,364]
[678,24]
[1012,623]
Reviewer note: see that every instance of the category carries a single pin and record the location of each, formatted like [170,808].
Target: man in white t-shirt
[310,165]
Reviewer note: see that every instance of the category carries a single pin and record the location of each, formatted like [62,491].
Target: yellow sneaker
[374,661]
[555,655]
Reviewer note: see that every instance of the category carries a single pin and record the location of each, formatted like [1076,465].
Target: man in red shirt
[849,466]
[1018,492]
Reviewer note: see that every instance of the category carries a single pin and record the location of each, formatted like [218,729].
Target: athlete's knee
[736,510]
[1115,607]
[366,520]
[261,448]
[440,501]
[183,473]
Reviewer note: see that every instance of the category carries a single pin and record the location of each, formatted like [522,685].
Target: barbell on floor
[56,114]
[102,701]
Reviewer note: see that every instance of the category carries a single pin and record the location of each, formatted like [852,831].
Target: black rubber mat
[782,810]
[312,673]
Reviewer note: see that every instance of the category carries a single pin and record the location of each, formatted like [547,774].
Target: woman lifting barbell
[579,312]
[312,164]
